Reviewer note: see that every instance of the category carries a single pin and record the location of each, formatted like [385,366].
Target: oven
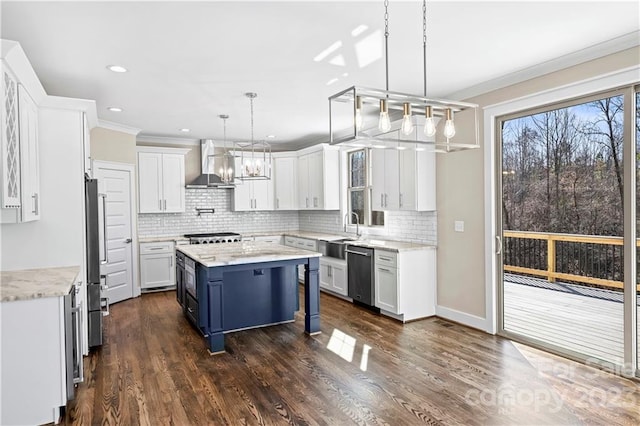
[190,277]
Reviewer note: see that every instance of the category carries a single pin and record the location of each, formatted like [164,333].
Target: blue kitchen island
[236,286]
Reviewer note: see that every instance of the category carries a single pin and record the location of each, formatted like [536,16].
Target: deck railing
[588,259]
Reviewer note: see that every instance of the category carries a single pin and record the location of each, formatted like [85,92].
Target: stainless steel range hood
[210,163]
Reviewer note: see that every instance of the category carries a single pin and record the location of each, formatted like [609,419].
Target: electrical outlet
[458,226]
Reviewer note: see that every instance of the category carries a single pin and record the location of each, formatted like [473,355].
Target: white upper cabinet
[286,176]
[385,179]
[318,178]
[10,141]
[403,180]
[20,152]
[29,155]
[417,180]
[252,195]
[161,180]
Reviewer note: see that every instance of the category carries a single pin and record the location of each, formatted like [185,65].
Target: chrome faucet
[346,219]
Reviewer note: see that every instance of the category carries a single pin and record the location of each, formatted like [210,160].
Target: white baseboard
[463,318]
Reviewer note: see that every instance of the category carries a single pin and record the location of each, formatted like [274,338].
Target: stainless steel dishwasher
[360,272]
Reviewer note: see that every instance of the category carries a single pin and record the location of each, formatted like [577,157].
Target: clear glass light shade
[384,123]
[449,127]
[407,124]
[429,123]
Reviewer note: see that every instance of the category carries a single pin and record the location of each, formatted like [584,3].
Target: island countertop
[243,252]
[36,283]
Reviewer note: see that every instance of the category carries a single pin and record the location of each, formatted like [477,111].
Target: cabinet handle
[277,203]
[400,200]
[329,272]
[381,200]
[384,270]
[385,258]
[306,201]
[155,248]
[104,228]
[171,261]
[165,204]
[160,205]
[385,200]
[35,204]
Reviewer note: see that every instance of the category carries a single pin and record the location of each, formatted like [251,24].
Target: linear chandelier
[366,117]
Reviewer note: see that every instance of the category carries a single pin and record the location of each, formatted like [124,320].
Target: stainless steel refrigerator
[96,253]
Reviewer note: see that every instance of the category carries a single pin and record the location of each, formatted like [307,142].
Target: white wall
[57,238]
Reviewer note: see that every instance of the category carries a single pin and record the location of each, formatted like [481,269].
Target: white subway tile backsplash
[169,224]
[417,227]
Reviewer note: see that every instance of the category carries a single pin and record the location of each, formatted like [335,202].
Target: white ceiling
[191,61]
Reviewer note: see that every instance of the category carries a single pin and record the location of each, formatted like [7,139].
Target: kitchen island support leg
[311,296]
[215,304]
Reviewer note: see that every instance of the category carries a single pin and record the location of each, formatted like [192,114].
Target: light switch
[458,226]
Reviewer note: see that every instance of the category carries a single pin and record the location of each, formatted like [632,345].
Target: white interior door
[115,182]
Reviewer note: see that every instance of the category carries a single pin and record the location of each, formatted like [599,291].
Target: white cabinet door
[386,288]
[173,183]
[316,177]
[339,278]
[263,194]
[160,182]
[324,275]
[286,176]
[385,191]
[303,182]
[30,165]
[242,196]
[408,179]
[157,270]
[150,182]
[417,180]
[10,141]
[378,179]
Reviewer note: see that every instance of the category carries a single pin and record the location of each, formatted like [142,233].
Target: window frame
[365,221]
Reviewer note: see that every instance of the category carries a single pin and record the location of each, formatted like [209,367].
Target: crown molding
[118,127]
[596,51]
[166,140]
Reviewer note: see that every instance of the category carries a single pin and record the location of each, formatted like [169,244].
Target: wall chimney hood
[210,162]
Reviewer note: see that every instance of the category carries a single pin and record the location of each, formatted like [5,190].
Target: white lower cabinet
[157,267]
[274,239]
[405,283]
[33,361]
[303,243]
[333,275]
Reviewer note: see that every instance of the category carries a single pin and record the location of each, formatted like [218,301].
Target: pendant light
[255,156]
[226,168]
[399,114]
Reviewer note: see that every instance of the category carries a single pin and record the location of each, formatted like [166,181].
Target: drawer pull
[190,310]
[385,258]
[384,270]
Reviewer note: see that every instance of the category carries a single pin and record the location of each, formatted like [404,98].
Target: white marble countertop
[315,235]
[242,252]
[174,238]
[390,245]
[37,283]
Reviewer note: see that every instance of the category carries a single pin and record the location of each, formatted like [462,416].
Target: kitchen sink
[335,248]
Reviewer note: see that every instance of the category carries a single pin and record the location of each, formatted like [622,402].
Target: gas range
[213,238]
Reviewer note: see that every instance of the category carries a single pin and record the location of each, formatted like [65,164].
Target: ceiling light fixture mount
[255,156]
[402,118]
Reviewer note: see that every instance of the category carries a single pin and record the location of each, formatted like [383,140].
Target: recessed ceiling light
[115,109]
[185,130]
[116,68]
[271,136]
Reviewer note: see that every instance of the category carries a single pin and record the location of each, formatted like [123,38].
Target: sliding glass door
[562,222]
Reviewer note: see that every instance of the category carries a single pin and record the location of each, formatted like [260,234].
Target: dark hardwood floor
[154,369]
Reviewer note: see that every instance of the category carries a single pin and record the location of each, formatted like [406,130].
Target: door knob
[128,240]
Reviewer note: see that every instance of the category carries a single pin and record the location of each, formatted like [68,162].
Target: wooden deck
[590,324]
